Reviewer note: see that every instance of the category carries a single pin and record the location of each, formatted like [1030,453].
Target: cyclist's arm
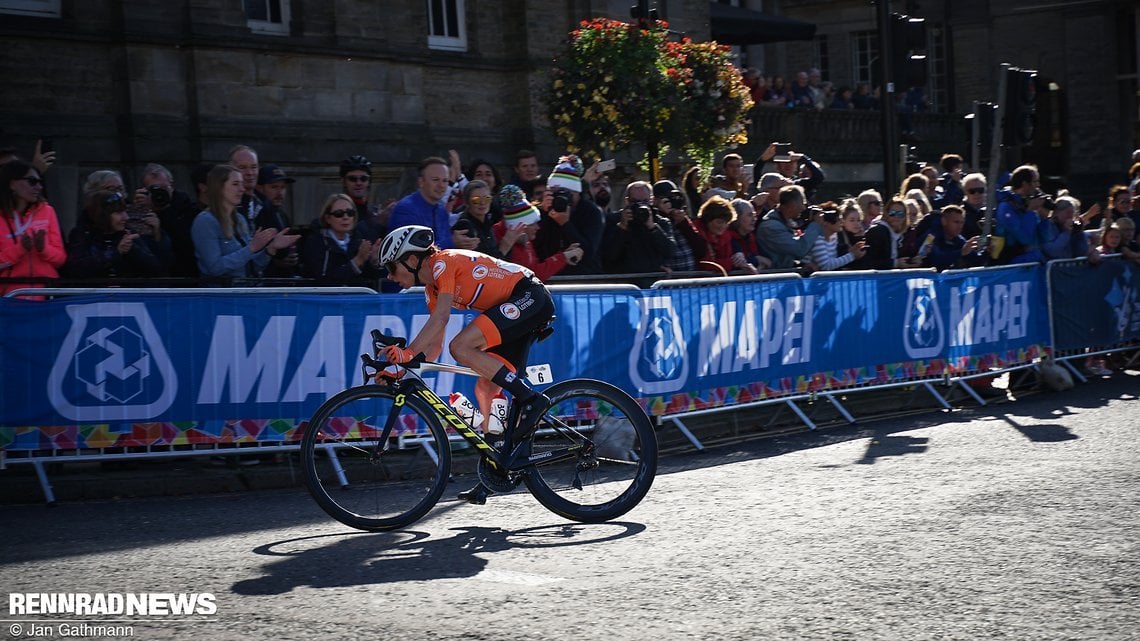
[430,339]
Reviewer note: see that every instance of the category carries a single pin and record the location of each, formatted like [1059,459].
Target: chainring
[496,480]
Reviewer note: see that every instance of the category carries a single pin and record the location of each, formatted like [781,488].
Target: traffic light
[984,116]
[908,44]
[1020,107]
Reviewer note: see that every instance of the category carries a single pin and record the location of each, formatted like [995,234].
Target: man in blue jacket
[1016,223]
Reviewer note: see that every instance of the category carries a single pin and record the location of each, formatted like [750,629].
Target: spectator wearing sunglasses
[106,248]
[335,253]
[870,204]
[973,207]
[356,181]
[475,218]
[30,242]
[884,239]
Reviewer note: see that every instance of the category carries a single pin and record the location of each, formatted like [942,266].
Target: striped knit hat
[517,210]
[568,174]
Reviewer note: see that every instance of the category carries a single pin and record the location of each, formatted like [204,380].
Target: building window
[41,8]
[821,58]
[447,25]
[866,57]
[268,16]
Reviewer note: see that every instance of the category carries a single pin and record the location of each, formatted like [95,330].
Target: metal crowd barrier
[792,401]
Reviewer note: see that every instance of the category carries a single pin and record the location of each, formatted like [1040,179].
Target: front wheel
[367,483]
[616,455]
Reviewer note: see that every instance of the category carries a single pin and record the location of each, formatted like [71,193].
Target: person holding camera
[1062,233]
[175,214]
[689,246]
[475,219]
[638,239]
[786,234]
[516,232]
[564,185]
[105,248]
[795,166]
[142,220]
[828,253]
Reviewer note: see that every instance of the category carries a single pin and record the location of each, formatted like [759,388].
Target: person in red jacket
[515,235]
[712,221]
[31,245]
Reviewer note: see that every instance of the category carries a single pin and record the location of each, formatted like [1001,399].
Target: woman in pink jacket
[30,243]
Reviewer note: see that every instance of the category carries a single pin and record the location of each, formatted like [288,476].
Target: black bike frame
[513,462]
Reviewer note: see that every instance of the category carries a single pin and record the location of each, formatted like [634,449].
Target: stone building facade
[1085,52]
[119,83]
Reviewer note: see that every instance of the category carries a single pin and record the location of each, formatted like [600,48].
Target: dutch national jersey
[476,281]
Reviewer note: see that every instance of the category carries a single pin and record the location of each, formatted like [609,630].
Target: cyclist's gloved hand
[394,354]
[390,374]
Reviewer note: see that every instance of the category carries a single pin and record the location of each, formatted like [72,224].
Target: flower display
[716,100]
[620,84]
[611,88]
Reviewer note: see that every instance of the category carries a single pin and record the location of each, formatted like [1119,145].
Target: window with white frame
[267,16]
[447,25]
[865,60]
[41,8]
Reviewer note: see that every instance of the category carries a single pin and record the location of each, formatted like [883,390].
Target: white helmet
[405,240]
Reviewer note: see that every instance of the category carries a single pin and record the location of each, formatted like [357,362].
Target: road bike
[378,456]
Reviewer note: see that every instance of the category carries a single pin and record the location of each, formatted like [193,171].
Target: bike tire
[360,489]
[610,481]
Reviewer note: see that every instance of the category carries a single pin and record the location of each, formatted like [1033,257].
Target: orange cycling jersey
[476,281]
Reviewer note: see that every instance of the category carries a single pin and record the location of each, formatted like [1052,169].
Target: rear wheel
[617,459]
[367,484]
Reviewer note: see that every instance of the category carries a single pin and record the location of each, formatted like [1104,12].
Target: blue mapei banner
[1094,305]
[739,341]
[171,358]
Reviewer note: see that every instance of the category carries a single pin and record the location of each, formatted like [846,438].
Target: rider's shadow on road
[883,444]
[406,555]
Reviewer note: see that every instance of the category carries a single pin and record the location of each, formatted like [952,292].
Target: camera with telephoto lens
[676,199]
[809,212]
[642,212]
[159,197]
[561,201]
[1048,204]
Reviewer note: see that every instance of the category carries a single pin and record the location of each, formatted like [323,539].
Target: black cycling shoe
[476,495]
[531,412]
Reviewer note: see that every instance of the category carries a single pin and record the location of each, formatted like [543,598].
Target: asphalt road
[1017,521]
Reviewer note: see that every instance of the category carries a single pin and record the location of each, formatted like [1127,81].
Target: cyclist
[514,303]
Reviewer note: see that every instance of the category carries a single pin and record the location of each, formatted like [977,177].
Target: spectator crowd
[235,224]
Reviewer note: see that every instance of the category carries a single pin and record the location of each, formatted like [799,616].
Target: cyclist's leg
[496,343]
